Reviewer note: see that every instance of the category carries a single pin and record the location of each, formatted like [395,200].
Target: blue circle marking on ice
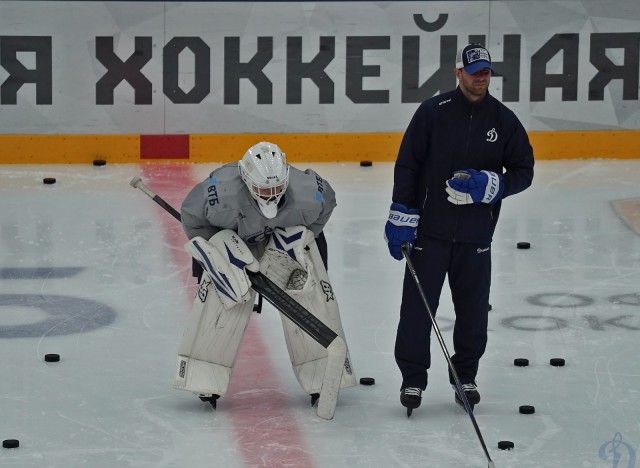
[66,315]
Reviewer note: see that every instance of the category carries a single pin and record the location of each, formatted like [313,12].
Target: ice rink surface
[94,270]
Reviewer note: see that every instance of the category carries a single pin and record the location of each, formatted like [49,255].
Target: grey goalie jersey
[223,201]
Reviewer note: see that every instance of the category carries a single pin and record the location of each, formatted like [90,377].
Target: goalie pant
[468,267]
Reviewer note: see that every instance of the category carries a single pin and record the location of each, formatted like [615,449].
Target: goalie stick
[309,323]
[405,252]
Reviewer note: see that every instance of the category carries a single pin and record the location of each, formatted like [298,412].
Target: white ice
[94,270]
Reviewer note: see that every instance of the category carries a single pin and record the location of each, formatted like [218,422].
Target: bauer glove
[402,226]
[471,186]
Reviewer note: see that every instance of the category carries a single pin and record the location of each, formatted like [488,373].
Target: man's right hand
[401,227]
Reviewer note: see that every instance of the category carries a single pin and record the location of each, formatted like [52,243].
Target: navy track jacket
[448,133]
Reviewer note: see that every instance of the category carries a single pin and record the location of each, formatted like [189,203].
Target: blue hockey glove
[471,186]
[402,226]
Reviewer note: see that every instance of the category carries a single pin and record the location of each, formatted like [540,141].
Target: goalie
[260,216]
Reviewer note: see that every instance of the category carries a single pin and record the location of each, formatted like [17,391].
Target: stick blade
[135,181]
[337,353]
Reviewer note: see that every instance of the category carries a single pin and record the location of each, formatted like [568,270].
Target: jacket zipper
[466,157]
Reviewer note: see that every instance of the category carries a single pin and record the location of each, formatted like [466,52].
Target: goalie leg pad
[337,353]
[210,343]
[292,261]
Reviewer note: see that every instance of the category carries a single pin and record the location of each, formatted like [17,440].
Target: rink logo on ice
[60,314]
[621,454]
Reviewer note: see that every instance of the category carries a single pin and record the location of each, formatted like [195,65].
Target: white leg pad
[337,353]
[210,343]
[311,289]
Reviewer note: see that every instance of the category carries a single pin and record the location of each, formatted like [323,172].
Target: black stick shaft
[136,182]
[170,209]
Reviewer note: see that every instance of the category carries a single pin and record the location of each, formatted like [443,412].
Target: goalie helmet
[265,171]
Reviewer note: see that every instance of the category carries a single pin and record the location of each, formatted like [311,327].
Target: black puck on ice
[490,307]
[520,362]
[527,409]
[505,445]
[367,381]
[523,245]
[49,180]
[556,362]
[366,163]
[10,443]
[51,357]
[99,162]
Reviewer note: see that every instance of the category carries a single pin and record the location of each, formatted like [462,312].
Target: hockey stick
[405,252]
[136,182]
[309,323]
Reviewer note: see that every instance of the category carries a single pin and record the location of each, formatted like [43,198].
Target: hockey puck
[51,357]
[366,163]
[490,307]
[523,245]
[49,180]
[520,362]
[99,162]
[556,362]
[527,409]
[10,443]
[367,381]
[505,445]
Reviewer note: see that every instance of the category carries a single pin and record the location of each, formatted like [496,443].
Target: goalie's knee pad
[210,343]
[292,261]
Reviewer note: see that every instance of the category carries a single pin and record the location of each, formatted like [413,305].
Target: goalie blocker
[293,278]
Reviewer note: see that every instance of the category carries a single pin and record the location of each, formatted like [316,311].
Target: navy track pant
[468,268]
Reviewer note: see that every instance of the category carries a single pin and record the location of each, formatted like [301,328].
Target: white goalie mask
[265,171]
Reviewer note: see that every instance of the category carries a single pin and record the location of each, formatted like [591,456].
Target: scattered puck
[51,357]
[367,381]
[49,180]
[523,245]
[10,443]
[505,445]
[527,409]
[366,163]
[556,362]
[521,362]
[99,162]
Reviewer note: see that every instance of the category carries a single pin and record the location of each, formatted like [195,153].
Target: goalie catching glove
[224,259]
[471,186]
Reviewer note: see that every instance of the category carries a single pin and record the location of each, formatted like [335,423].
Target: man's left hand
[471,186]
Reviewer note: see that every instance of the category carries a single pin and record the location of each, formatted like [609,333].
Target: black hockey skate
[410,398]
[471,392]
[212,399]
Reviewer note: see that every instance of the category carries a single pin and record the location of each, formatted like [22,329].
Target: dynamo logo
[492,136]
[616,450]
